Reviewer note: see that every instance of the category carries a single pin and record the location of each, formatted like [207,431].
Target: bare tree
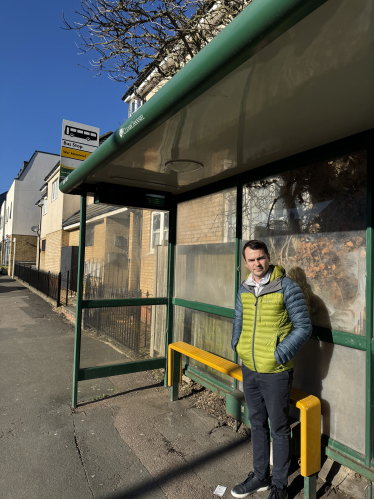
[135,38]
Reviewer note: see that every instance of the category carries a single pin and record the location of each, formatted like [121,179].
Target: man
[271,324]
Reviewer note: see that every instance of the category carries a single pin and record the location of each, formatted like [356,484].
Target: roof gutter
[253,29]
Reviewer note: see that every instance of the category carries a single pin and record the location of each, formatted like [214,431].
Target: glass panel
[313,220]
[205,252]
[336,375]
[209,332]
[119,262]
[122,334]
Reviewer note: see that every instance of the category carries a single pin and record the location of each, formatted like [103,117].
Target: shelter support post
[369,490]
[310,486]
[170,284]
[369,301]
[238,250]
[78,320]
[174,372]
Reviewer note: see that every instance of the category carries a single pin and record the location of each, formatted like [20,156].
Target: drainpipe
[14,256]
[39,232]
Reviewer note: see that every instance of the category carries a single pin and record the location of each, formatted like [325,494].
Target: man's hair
[255,245]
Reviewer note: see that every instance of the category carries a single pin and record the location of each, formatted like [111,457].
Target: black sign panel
[132,197]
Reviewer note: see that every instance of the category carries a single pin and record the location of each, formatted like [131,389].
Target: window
[90,235]
[121,242]
[45,206]
[10,211]
[159,229]
[55,190]
[44,241]
[134,105]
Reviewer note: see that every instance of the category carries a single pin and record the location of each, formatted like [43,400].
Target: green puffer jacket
[269,329]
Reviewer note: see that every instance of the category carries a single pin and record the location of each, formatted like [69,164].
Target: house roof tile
[92,211]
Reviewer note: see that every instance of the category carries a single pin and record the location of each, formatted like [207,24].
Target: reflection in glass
[160,229]
[122,334]
[313,220]
[205,252]
[156,229]
[208,332]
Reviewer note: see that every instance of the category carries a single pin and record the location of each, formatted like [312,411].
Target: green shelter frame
[262,23]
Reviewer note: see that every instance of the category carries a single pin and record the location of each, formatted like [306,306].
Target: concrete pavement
[134,443]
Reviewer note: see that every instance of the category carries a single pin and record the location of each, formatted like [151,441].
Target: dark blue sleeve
[297,310]
[238,321]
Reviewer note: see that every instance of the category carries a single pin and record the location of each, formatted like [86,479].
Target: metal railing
[129,326]
[45,282]
[69,278]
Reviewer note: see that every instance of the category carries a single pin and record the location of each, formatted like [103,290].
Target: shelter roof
[283,77]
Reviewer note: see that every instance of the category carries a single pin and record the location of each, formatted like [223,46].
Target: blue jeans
[268,396]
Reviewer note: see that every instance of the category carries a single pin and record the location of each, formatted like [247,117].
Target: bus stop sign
[77,143]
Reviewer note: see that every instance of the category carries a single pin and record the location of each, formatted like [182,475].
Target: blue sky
[42,84]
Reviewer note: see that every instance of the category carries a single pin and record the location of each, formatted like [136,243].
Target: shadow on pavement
[9,289]
[156,385]
[148,486]
[335,468]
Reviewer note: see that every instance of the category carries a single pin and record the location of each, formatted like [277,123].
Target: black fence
[99,288]
[68,286]
[45,282]
[129,326]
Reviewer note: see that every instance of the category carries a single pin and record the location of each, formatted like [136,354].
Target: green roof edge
[253,29]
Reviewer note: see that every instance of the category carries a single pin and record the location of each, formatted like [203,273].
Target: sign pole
[78,315]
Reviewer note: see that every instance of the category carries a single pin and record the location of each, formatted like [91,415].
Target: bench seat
[309,405]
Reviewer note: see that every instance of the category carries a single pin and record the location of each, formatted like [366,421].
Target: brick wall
[147,258]
[97,250]
[202,220]
[2,252]
[73,237]
[103,251]
[26,249]
[42,258]
[65,238]
[52,259]
[116,270]
[136,220]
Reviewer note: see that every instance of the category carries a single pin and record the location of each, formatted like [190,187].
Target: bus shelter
[266,134]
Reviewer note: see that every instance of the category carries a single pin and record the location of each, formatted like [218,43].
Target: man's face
[257,262]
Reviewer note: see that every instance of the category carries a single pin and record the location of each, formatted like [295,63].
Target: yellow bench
[310,406]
